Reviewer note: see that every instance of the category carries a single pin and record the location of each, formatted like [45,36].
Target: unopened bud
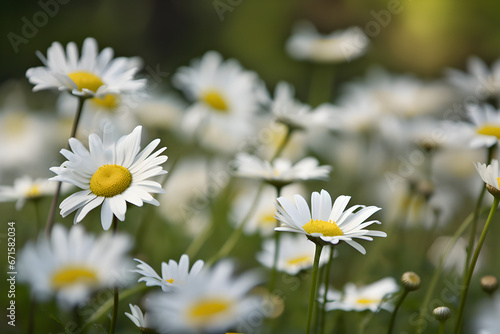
[411,281]
[489,284]
[442,313]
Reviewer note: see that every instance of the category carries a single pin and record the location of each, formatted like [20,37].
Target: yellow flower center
[73,275]
[205,309]
[108,101]
[86,80]
[299,260]
[367,301]
[489,130]
[215,99]
[110,180]
[33,191]
[14,124]
[171,280]
[267,219]
[327,228]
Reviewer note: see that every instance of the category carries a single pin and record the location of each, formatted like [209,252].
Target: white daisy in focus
[489,173]
[212,303]
[73,264]
[325,222]
[295,254]
[480,82]
[369,297]
[111,174]
[25,188]
[137,317]
[296,115]
[173,274]
[280,171]
[220,87]
[485,128]
[93,74]
[306,43]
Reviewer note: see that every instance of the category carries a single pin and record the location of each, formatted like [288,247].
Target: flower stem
[283,143]
[55,199]
[115,292]
[441,327]
[277,236]
[314,286]
[465,287]
[325,293]
[398,305]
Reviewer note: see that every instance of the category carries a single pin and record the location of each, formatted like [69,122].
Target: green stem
[36,207]
[325,293]
[115,292]
[435,277]
[480,243]
[283,143]
[398,305]
[314,286]
[277,236]
[441,327]
[55,199]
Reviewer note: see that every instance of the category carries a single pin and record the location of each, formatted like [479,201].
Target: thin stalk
[277,236]
[314,286]
[115,292]
[435,277]
[325,293]
[465,287]
[394,313]
[441,327]
[282,146]
[195,246]
[36,207]
[55,199]
[31,324]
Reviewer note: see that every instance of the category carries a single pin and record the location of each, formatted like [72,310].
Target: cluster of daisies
[270,146]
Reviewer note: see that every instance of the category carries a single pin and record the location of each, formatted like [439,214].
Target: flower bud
[442,313]
[411,281]
[489,284]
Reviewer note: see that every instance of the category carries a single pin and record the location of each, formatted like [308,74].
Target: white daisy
[306,43]
[455,260]
[25,188]
[485,128]
[93,74]
[220,87]
[173,275]
[295,254]
[111,174]
[369,297]
[480,82]
[137,317]
[212,303]
[297,115]
[73,264]
[329,223]
[489,173]
[280,170]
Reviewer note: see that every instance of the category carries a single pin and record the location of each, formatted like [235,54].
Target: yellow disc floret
[108,101]
[86,80]
[205,309]
[367,301]
[110,180]
[73,275]
[215,99]
[300,260]
[326,228]
[489,130]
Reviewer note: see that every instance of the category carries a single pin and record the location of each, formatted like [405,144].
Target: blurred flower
[455,260]
[485,128]
[92,75]
[489,173]
[486,319]
[296,115]
[213,302]
[261,217]
[306,43]
[481,82]
[112,174]
[280,171]
[73,264]
[173,275]
[295,254]
[137,317]
[25,188]
[329,223]
[220,87]
[160,112]
[369,297]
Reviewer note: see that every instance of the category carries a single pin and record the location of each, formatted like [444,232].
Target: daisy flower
[295,254]
[137,317]
[489,174]
[325,222]
[110,174]
[220,87]
[485,128]
[92,74]
[173,274]
[480,81]
[369,297]
[212,303]
[280,170]
[26,188]
[73,264]
[306,43]
[296,115]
